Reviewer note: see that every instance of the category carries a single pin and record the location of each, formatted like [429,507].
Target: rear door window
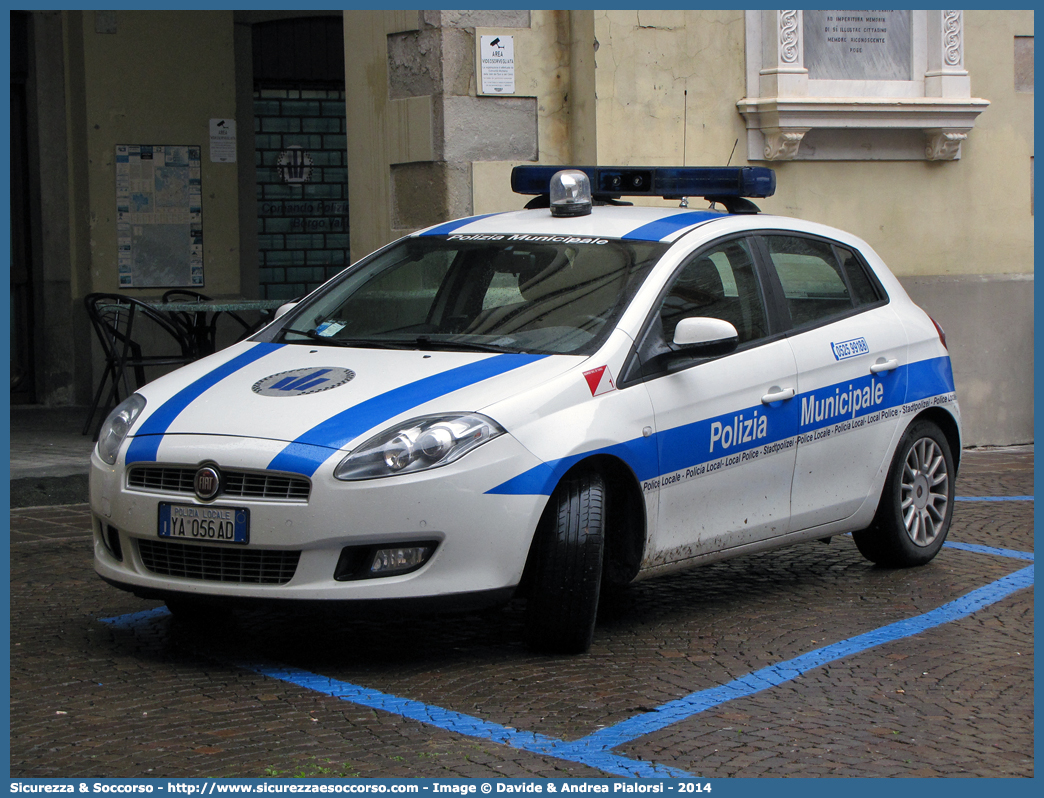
[820,280]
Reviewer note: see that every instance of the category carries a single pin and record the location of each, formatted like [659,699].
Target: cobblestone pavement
[158,699]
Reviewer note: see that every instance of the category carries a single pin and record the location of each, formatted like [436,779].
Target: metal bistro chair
[123,325]
[201,332]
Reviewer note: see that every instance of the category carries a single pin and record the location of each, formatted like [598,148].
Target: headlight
[116,427]
[417,445]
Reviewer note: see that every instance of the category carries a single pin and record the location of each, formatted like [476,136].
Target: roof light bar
[669,182]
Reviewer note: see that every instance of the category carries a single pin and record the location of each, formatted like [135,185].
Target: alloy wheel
[925,492]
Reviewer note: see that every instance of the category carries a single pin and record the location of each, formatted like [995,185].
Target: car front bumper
[482,539]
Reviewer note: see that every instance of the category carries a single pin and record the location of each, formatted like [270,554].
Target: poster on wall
[159,220]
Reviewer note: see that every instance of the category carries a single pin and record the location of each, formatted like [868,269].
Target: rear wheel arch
[916,505]
[948,424]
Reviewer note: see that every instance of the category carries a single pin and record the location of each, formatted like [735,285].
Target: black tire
[916,505]
[566,568]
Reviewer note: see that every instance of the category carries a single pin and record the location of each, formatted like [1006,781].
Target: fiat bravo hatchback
[540,404]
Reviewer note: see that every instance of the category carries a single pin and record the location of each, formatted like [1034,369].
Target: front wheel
[567,568]
[917,501]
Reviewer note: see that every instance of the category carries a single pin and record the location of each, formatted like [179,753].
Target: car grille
[241,484]
[219,564]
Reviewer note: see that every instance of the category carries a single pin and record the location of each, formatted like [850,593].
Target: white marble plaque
[857,45]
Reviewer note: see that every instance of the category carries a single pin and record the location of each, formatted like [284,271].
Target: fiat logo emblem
[207,483]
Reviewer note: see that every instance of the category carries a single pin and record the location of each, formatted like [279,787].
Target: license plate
[195,524]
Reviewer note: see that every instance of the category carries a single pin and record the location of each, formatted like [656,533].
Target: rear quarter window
[863,290]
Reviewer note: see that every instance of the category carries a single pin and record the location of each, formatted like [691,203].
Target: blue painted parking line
[445,719]
[774,675]
[595,750]
[457,722]
[136,619]
[993,498]
[977,549]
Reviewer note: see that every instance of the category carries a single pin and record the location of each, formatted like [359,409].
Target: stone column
[416,122]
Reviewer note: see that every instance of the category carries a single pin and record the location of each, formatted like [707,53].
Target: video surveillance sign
[497,62]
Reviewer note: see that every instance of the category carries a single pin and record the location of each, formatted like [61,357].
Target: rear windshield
[435,292]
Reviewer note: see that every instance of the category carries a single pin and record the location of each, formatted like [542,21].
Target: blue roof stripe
[456,224]
[311,450]
[145,445]
[653,231]
[659,230]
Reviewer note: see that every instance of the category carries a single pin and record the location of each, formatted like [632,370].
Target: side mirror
[705,337]
[282,310]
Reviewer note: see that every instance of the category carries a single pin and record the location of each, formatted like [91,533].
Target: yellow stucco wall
[381,131]
[970,216]
[666,86]
[160,79]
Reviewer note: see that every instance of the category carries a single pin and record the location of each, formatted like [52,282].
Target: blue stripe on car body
[449,227]
[310,450]
[145,444]
[638,453]
[688,446]
[930,375]
[662,228]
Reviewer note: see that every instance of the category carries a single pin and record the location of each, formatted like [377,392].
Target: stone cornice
[784,120]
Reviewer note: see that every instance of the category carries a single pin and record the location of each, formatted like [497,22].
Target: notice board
[159,218]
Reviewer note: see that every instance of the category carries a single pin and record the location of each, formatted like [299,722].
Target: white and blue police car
[540,404]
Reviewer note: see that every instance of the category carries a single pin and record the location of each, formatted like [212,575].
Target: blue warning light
[668,182]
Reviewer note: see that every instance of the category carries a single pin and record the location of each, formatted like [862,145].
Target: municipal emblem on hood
[302,381]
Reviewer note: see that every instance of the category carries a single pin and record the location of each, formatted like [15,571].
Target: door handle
[777,394]
[884,365]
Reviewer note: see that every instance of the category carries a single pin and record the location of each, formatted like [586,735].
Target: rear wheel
[566,570]
[917,501]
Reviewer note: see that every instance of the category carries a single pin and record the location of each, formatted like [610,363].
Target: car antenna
[728,163]
[734,145]
[685,132]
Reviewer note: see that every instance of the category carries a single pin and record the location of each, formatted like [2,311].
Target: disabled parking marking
[595,750]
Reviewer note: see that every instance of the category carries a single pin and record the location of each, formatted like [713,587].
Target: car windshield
[514,294]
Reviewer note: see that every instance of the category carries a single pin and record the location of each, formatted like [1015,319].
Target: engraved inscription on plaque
[857,45]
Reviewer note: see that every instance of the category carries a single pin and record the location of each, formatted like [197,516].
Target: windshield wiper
[365,343]
[421,342]
[425,343]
